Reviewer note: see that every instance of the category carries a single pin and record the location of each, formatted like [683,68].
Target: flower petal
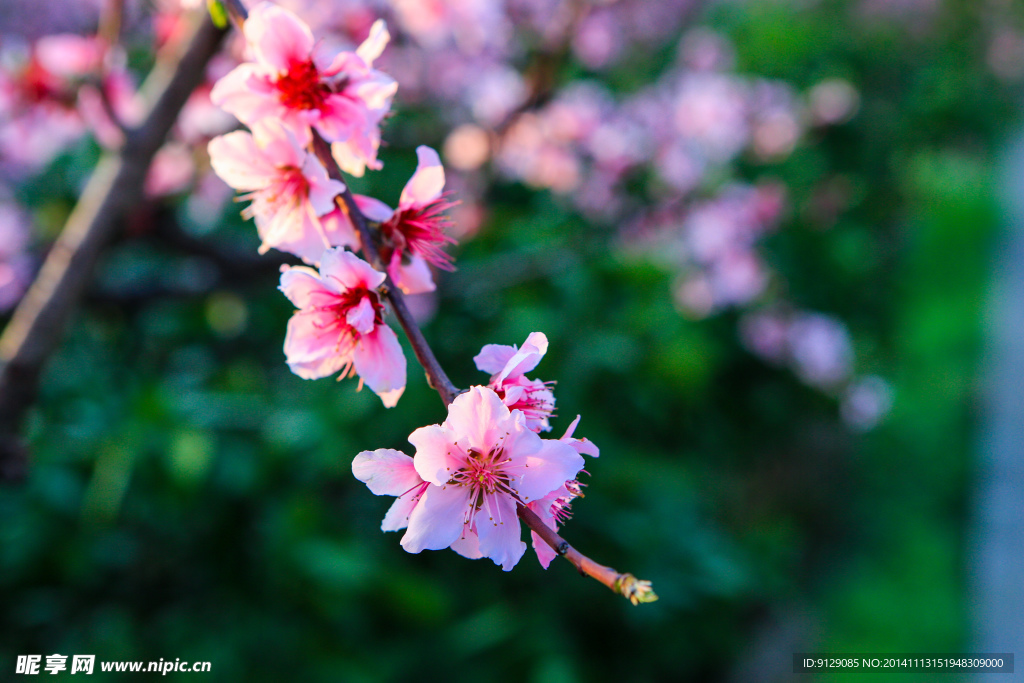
[427,183]
[398,514]
[438,520]
[541,466]
[375,43]
[246,93]
[583,446]
[493,358]
[304,288]
[379,360]
[312,352]
[278,38]
[385,471]
[361,316]
[348,271]
[239,162]
[500,534]
[413,277]
[434,459]
[526,358]
[374,209]
[468,545]
[478,418]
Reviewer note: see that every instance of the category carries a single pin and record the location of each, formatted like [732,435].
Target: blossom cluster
[472,474]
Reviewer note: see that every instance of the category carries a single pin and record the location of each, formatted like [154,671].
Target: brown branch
[114,188]
[626,585]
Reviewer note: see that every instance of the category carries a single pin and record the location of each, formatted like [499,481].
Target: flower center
[484,475]
[420,230]
[337,320]
[301,87]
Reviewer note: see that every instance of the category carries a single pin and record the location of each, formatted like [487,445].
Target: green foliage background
[191,498]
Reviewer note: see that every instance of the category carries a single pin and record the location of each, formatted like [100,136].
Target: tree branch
[626,585]
[114,188]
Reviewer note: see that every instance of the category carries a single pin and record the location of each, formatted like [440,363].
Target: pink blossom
[508,366]
[339,325]
[289,189]
[554,508]
[413,234]
[343,97]
[482,461]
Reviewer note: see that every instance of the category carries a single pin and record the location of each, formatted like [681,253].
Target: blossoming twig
[627,585]
[436,376]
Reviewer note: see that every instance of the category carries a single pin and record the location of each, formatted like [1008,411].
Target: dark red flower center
[420,230]
[301,87]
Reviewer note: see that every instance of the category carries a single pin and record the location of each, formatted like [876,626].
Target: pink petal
[278,37]
[427,183]
[500,534]
[544,552]
[239,162]
[543,509]
[322,189]
[280,144]
[385,471]
[291,223]
[339,229]
[468,545]
[438,520]
[354,158]
[304,288]
[361,316]
[341,118]
[478,418]
[374,209]
[379,360]
[375,43]
[582,446]
[413,277]
[348,271]
[526,358]
[540,466]
[434,459]
[245,93]
[310,353]
[493,358]
[376,91]
[398,514]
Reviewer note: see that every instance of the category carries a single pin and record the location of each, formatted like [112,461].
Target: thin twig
[114,188]
[626,585]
